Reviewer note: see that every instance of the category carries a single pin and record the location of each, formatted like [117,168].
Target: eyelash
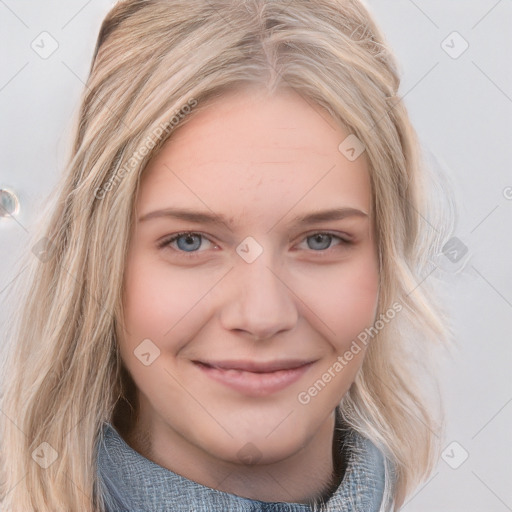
[165,243]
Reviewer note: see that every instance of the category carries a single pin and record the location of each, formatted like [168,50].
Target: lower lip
[255,384]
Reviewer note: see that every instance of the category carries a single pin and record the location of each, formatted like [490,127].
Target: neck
[306,476]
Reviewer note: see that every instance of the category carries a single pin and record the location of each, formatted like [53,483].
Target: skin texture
[260,161]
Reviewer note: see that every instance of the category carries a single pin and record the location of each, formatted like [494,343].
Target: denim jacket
[130,482]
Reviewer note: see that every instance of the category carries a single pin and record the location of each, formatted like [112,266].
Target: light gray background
[462,110]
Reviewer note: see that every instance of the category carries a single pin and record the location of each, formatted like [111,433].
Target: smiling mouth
[255,378]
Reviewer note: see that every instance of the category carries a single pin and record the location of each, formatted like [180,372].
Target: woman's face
[233,331]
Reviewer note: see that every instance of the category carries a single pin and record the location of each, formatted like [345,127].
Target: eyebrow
[214,219]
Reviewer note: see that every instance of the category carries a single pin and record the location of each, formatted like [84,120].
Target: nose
[258,301]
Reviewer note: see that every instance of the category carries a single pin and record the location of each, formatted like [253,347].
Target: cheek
[164,304]
[153,301]
[157,296]
[356,299]
[148,303]
[344,298]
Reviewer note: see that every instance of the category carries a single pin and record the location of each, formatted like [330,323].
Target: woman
[229,297]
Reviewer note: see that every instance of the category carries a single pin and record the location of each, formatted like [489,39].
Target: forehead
[253,154]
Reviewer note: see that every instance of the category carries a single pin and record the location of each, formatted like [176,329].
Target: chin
[261,443]
[258,452]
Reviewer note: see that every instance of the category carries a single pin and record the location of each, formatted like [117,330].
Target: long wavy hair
[62,373]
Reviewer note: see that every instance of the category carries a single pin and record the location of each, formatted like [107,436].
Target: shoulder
[370,475]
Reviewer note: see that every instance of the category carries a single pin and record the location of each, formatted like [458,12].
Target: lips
[256,367]
[255,378]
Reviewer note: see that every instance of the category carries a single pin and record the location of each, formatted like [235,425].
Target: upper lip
[257,367]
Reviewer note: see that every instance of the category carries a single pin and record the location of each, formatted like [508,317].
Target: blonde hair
[63,376]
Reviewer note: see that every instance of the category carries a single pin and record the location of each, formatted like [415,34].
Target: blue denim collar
[130,482]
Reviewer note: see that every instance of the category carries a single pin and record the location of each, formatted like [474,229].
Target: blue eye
[323,240]
[186,242]
[189,242]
